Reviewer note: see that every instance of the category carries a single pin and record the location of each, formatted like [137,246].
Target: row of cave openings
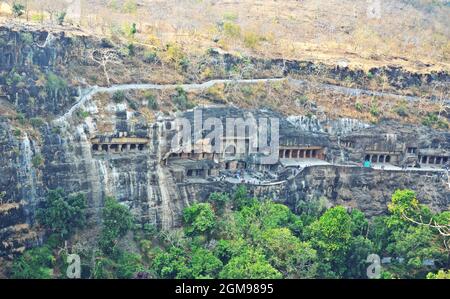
[433,160]
[300,153]
[378,158]
[117,148]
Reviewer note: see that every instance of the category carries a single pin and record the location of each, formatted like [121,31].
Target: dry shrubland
[410,33]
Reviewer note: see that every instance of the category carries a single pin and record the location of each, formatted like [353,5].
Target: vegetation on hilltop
[413,34]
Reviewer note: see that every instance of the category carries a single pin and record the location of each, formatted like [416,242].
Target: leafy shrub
[60,17]
[199,218]
[184,64]
[36,263]
[401,110]
[26,38]
[13,78]
[152,103]
[219,200]
[37,161]
[231,30]
[432,120]
[181,100]
[151,57]
[251,40]
[229,16]
[37,122]
[83,114]
[359,107]
[17,132]
[117,221]
[37,17]
[131,49]
[374,110]
[62,214]
[18,9]
[130,6]
[21,118]
[54,82]
[118,96]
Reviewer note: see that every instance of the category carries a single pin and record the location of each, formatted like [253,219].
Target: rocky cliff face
[42,151]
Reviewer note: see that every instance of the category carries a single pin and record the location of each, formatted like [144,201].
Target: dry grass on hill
[410,33]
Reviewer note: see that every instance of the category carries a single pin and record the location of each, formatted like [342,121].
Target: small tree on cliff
[18,9]
[62,214]
[117,221]
[104,58]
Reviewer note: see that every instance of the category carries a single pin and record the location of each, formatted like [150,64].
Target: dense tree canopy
[237,236]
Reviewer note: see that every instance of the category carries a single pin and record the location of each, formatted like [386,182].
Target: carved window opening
[114,147]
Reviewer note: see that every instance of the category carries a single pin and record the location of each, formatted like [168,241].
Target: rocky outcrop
[35,80]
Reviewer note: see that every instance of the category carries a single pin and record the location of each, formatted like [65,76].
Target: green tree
[331,236]
[199,218]
[18,9]
[250,264]
[171,263]
[128,264]
[62,214]
[415,244]
[203,265]
[260,216]
[241,198]
[290,256]
[117,221]
[218,200]
[441,274]
[60,17]
[36,263]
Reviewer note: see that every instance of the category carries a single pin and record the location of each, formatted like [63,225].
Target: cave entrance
[302,153]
